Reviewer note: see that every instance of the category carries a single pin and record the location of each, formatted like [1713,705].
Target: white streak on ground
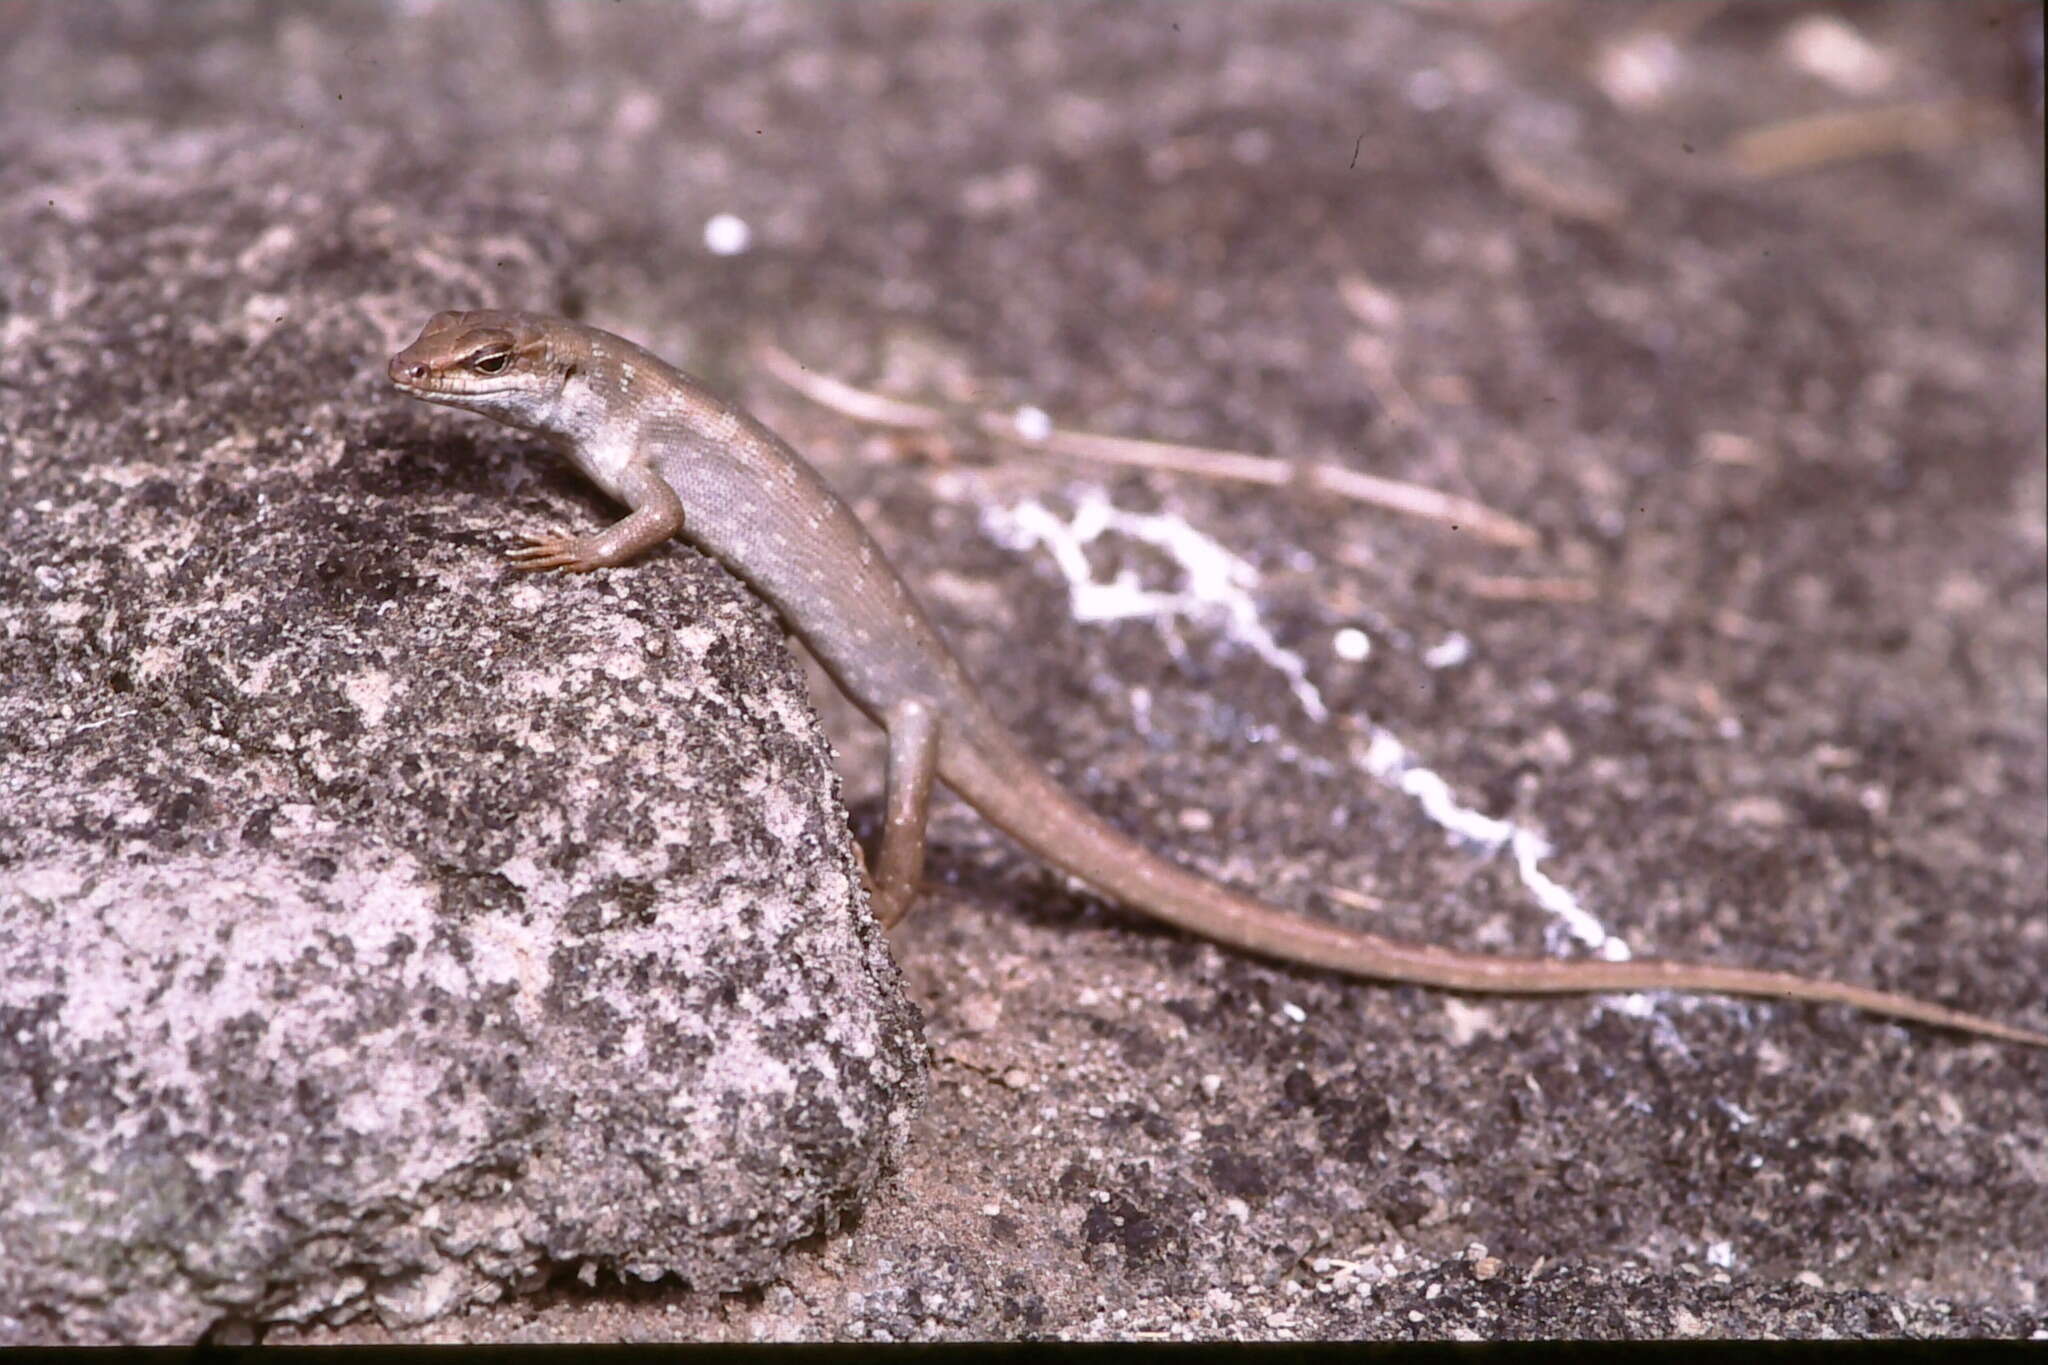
[1217,592]
[1217,588]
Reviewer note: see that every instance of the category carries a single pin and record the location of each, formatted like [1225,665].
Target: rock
[384,932]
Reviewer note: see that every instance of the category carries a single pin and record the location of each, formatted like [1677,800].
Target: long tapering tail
[1014,794]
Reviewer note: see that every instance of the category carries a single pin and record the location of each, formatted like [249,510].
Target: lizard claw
[551,552]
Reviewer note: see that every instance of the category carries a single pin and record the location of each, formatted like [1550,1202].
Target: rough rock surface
[383,930]
[1772,688]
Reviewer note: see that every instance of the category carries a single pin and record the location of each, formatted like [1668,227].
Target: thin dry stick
[1407,498]
[1530,589]
[1802,143]
[1357,900]
[858,404]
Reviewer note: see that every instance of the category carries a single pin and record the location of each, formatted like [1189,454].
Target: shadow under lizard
[658,442]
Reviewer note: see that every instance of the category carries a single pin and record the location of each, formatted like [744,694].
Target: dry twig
[1530,589]
[1803,143]
[1409,499]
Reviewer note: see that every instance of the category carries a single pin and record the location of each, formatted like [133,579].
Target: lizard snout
[403,371]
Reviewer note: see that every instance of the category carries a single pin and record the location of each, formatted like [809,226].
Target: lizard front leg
[913,732]
[657,514]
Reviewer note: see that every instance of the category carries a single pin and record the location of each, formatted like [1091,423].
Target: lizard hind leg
[913,732]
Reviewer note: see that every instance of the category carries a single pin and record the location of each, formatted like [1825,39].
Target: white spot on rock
[727,234]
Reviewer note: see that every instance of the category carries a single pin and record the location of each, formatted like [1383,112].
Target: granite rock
[385,932]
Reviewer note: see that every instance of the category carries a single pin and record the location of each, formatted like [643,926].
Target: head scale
[489,361]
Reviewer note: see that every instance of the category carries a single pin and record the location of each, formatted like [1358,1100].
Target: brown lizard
[658,442]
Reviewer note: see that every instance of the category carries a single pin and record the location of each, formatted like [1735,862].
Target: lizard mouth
[423,381]
[412,376]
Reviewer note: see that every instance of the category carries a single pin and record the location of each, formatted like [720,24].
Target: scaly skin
[657,441]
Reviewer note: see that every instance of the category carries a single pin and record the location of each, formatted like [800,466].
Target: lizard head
[497,363]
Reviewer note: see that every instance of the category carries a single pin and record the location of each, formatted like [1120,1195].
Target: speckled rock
[383,932]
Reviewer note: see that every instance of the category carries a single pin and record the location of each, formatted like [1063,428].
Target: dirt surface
[1771,688]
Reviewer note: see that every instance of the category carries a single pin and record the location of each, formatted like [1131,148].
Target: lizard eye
[493,363]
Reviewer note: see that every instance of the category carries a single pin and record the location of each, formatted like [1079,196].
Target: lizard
[684,461]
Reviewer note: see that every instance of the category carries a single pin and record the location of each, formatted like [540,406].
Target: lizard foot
[566,553]
[886,914]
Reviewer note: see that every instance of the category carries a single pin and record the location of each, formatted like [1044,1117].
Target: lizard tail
[1018,797]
